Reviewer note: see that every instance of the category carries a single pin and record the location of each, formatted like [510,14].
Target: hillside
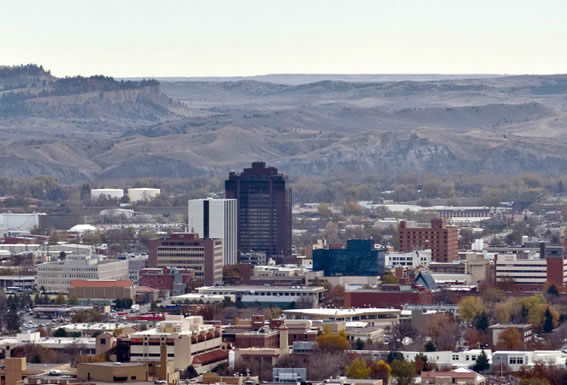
[98,127]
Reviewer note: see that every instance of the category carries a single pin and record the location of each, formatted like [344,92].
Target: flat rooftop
[312,289]
[343,312]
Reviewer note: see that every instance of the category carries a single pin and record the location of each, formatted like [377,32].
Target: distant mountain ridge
[102,128]
[296,79]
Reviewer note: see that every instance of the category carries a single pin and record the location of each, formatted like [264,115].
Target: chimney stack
[284,343]
[163,361]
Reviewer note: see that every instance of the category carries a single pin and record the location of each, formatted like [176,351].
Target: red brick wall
[555,271]
[162,282]
[386,299]
[257,341]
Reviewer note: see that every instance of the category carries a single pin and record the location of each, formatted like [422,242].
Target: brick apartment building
[186,250]
[441,239]
[175,280]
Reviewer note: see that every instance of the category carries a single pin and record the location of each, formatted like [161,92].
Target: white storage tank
[143,194]
[112,193]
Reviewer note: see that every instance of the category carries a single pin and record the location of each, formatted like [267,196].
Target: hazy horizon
[253,37]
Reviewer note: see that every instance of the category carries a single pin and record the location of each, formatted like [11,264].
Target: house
[460,376]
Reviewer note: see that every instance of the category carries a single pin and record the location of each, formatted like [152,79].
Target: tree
[443,330]
[123,303]
[548,323]
[332,341]
[190,372]
[533,381]
[336,295]
[359,344]
[60,333]
[60,300]
[381,371]
[510,339]
[12,316]
[421,363]
[552,290]
[404,372]
[352,208]
[429,347]
[481,322]
[358,369]
[482,363]
[392,356]
[502,312]
[324,210]
[469,308]
[72,301]
[493,295]
[389,278]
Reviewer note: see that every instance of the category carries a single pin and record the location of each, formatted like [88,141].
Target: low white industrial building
[202,298]
[143,194]
[269,294]
[109,193]
[373,317]
[19,221]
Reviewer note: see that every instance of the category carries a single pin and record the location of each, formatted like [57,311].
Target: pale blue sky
[250,37]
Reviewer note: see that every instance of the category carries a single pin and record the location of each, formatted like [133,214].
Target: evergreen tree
[430,346]
[482,363]
[548,323]
[552,291]
[12,317]
[394,356]
[481,322]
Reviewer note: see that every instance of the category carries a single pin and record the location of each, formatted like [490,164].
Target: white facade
[515,360]
[216,218]
[269,294]
[56,277]
[524,271]
[444,358]
[411,259]
[18,222]
[143,194]
[112,193]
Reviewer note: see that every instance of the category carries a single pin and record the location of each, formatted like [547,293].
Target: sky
[126,38]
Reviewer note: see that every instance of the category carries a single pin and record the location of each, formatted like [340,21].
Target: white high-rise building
[216,218]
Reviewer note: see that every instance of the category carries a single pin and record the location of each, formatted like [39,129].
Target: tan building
[495,330]
[460,376]
[185,338]
[187,250]
[16,371]
[113,371]
[94,290]
[441,239]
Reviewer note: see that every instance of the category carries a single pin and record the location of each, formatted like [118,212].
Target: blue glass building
[360,257]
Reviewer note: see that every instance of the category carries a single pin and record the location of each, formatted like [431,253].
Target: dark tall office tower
[264,209]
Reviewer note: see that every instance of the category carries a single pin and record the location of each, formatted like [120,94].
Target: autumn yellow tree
[332,341]
[381,371]
[389,278]
[510,339]
[358,369]
[469,308]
